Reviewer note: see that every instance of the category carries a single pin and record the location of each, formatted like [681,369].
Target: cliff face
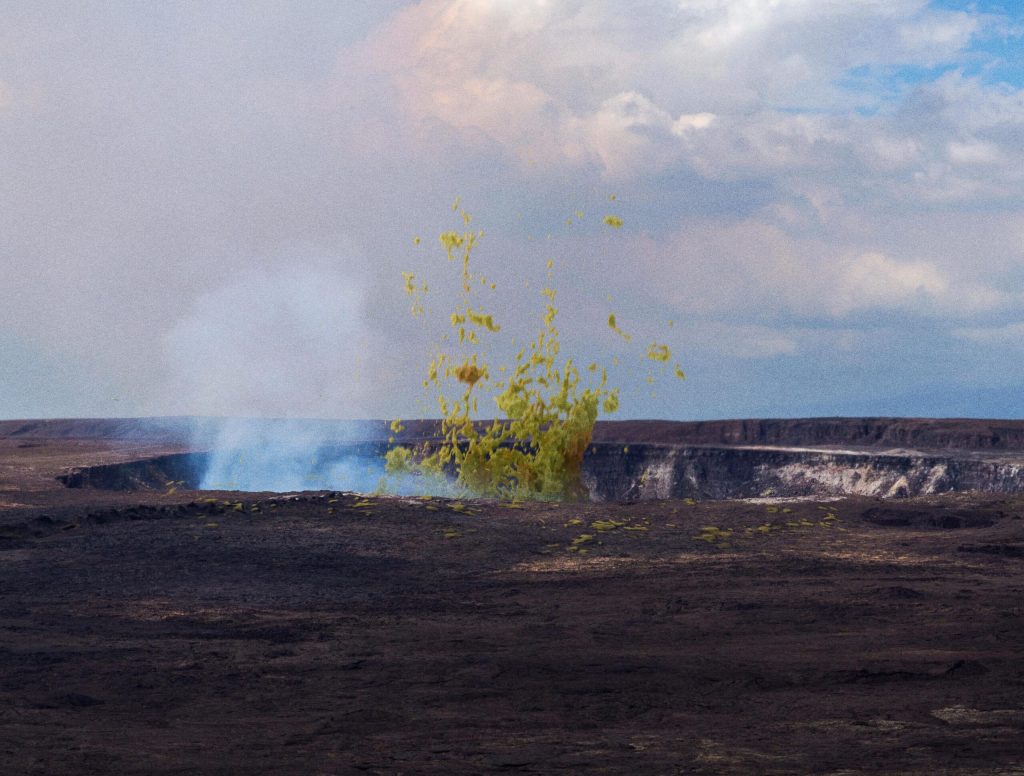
[639,472]
[182,469]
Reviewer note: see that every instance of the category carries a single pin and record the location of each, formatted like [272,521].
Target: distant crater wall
[614,472]
[931,434]
[960,434]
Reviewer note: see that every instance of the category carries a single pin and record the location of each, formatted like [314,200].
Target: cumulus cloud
[626,134]
[783,263]
[730,90]
[873,280]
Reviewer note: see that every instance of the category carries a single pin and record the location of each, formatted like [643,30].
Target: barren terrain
[181,632]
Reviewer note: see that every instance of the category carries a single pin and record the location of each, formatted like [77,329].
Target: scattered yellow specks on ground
[576,545]
[606,525]
[574,521]
[714,535]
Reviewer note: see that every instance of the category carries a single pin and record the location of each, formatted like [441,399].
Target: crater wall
[616,472]
[639,472]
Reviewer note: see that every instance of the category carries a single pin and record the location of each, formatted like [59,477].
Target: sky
[206,207]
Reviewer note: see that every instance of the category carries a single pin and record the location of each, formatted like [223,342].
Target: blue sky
[207,208]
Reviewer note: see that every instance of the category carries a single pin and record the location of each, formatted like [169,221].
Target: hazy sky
[206,207]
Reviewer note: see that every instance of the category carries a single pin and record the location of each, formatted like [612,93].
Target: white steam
[286,342]
[291,344]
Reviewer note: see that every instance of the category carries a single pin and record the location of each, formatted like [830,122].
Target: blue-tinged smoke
[251,455]
[289,455]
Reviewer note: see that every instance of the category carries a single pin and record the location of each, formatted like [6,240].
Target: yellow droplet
[613,325]
[656,352]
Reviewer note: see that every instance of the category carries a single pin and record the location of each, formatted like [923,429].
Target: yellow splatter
[614,326]
[549,411]
[656,352]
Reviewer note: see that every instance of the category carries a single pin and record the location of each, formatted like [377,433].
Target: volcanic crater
[833,596]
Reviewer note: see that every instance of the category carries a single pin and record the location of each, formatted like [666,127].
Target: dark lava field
[162,630]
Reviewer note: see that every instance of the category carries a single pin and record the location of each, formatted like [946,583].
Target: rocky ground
[186,632]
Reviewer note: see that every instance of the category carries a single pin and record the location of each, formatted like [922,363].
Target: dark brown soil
[185,633]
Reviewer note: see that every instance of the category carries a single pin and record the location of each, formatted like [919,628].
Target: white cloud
[973,152]
[569,84]
[936,35]
[691,121]
[873,280]
[783,262]
[626,134]
[1010,335]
